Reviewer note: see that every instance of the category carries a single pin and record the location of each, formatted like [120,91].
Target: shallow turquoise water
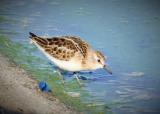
[126,31]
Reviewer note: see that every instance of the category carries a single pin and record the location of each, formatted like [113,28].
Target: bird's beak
[108,69]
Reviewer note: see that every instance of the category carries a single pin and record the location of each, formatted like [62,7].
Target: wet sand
[19,93]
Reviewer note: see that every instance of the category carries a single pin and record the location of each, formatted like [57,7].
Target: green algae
[22,57]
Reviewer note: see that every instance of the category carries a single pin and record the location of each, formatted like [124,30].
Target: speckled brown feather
[64,47]
[80,44]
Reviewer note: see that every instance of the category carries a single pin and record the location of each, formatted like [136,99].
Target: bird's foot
[78,80]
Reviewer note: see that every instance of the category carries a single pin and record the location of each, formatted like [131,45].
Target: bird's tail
[32,37]
[38,40]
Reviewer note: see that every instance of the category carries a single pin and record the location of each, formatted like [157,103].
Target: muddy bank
[19,93]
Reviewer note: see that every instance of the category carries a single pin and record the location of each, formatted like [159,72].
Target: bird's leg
[60,76]
[75,74]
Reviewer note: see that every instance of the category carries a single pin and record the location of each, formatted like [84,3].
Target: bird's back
[62,47]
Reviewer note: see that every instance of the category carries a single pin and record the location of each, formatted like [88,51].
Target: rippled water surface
[126,31]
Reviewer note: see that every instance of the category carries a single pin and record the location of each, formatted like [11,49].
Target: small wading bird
[70,53]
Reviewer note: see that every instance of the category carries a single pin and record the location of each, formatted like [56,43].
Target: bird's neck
[89,62]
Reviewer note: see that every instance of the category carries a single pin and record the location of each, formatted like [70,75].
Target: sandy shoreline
[19,93]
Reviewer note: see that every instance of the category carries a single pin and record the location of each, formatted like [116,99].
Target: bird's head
[99,61]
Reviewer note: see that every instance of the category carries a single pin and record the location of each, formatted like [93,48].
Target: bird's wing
[62,47]
[58,47]
[81,45]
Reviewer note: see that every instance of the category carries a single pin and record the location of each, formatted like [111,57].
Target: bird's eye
[99,60]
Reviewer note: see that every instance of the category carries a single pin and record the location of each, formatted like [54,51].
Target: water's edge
[14,51]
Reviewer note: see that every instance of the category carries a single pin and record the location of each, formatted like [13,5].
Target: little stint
[70,53]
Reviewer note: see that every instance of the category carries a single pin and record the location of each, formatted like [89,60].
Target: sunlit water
[126,31]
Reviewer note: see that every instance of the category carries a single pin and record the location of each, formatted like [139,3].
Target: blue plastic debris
[43,86]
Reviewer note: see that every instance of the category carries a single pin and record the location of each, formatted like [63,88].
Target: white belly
[66,65]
